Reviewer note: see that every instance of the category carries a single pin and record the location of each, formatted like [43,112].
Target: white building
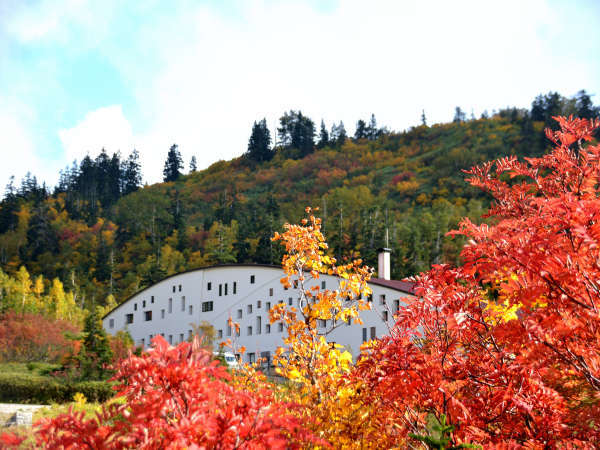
[244,292]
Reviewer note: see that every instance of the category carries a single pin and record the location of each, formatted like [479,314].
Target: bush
[15,388]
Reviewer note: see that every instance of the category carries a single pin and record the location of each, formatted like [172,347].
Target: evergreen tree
[259,144]
[95,353]
[132,174]
[173,164]
[459,115]
[193,165]
[423,118]
[323,136]
[584,107]
[361,130]
[297,131]
[372,131]
[341,135]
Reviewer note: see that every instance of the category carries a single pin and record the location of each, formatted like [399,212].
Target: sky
[77,76]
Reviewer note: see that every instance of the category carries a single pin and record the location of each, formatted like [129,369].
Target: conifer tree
[323,136]
[95,353]
[361,130]
[173,164]
[259,144]
[423,119]
[372,130]
[132,175]
[193,165]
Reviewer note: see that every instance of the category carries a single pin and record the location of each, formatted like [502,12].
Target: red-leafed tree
[176,397]
[506,348]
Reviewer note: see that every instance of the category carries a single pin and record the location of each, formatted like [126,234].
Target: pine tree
[341,134]
[132,175]
[323,136]
[459,115]
[297,131]
[423,119]
[259,144]
[95,353]
[361,130]
[372,130]
[173,164]
[193,165]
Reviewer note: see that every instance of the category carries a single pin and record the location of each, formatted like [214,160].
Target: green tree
[323,136]
[361,130]
[219,244]
[95,353]
[173,164]
[259,144]
[297,131]
[193,165]
[132,173]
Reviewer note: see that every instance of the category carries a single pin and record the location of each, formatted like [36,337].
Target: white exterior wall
[175,326]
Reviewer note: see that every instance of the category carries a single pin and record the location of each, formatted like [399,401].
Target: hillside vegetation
[101,233]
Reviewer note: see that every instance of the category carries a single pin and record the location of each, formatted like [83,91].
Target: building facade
[244,292]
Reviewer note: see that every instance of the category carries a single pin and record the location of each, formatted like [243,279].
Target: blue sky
[79,75]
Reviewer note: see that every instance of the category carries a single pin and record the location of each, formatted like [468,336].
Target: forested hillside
[101,233]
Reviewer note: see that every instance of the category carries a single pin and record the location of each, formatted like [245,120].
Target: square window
[369,297]
[148,316]
[206,306]
[249,331]
[111,323]
[251,279]
[251,358]
[239,314]
[129,318]
[322,323]
[209,286]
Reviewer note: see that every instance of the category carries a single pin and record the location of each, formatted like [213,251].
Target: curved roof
[402,286]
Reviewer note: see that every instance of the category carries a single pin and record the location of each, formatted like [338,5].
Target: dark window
[322,323]
[206,306]
[239,315]
[235,287]
[280,327]
[258,325]
[183,303]
[148,316]
[228,330]
[349,321]
[162,313]
[220,334]
[171,339]
[270,292]
[382,299]
[225,288]
[385,316]
[396,306]
[268,307]
[170,305]
[373,333]
[258,304]
[135,306]
[251,279]
[295,284]
[190,334]
[220,290]
[180,337]
[179,288]
[143,303]
[268,328]
[111,323]
[209,286]
[249,309]
[370,297]
[249,331]
[290,301]
[152,299]
[364,335]
[251,358]
[190,308]
[129,318]
[174,288]
[143,342]
[323,284]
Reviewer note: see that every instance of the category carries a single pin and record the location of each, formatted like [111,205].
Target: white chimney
[383,264]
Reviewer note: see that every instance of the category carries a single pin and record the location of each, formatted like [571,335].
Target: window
[280,327]
[249,331]
[183,303]
[373,333]
[111,323]
[323,284]
[207,306]
[143,303]
[225,288]
[258,325]
[270,292]
[171,339]
[349,321]
[268,307]
[237,332]
[370,297]
[384,316]
[382,299]
[143,342]
[251,279]
[152,299]
[258,304]
[129,318]
[190,334]
[179,288]
[290,301]
[249,309]
[170,305]
[191,310]
[364,335]
[228,330]
[148,316]
[209,286]
[174,288]
[162,334]
[285,288]
[295,284]
[180,334]
[235,287]
[268,328]
[322,323]
[251,358]
[135,306]
[239,314]
[396,306]
[220,334]
[220,290]
[162,313]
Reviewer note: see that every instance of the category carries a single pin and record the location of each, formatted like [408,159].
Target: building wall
[246,293]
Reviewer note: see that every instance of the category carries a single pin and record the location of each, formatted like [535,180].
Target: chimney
[383,263]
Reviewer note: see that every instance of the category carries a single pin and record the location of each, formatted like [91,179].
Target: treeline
[101,234]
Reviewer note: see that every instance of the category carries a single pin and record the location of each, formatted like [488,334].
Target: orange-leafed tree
[506,348]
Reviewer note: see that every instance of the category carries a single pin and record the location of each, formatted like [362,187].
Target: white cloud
[104,127]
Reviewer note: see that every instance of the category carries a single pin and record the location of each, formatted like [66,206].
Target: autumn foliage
[507,346]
